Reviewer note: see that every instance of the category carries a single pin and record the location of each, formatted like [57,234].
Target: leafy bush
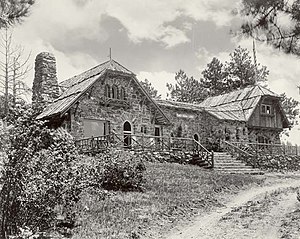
[38,174]
[273,162]
[121,171]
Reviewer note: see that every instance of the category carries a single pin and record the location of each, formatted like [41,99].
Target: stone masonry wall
[92,106]
[45,86]
[210,130]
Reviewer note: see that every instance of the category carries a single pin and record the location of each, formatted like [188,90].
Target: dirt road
[264,212]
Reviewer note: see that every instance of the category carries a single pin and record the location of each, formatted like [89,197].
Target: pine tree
[146,84]
[263,21]
[241,71]
[186,89]
[13,11]
[214,78]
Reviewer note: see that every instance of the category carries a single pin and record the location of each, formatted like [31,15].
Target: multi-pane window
[115,92]
[266,109]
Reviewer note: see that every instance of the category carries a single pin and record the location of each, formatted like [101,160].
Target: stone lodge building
[109,98]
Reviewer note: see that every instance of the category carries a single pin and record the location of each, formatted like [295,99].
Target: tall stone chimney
[45,86]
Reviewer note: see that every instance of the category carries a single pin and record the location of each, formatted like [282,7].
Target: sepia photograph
[149,119]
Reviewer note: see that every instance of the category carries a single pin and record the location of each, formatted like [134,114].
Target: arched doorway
[127,134]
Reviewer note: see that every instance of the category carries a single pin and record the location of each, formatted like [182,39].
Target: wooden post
[296,149]
[143,146]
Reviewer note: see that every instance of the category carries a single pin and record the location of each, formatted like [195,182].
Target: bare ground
[271,211]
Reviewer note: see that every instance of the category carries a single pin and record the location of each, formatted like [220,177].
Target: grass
[173,193]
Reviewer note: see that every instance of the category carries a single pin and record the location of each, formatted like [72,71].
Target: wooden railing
[93,144]
[204,154]
[251,149]
[145,143]
[237,148]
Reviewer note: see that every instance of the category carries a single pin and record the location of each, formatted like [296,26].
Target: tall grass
[173,193]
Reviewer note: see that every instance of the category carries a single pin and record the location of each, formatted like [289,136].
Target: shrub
[121,170]
[37,176]
[273,162]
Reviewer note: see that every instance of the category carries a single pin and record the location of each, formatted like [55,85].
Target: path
[255,213]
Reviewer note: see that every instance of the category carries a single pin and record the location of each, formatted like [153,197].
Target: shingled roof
[76,86]
[236,105]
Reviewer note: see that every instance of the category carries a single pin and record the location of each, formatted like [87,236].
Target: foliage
[280,163]
[122,171]
[214,78]
[186,89]
[237,73]
[150,89]
[273,21]
[37,175]
[290,106]
[13,11]
[173,193]
[241,71]
[218,78]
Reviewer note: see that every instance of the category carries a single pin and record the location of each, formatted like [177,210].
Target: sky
[152,38]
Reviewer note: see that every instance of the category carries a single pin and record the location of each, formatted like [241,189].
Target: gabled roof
[108,65]
[237,105]
[76,86]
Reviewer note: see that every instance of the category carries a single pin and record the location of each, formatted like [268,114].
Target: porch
[195,152]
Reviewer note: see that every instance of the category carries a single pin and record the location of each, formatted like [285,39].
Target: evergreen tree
[150,89]
[241,71]
[214,78]
[186,89]
[263,21]
[13,11]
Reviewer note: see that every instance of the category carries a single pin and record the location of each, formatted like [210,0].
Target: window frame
[266,109]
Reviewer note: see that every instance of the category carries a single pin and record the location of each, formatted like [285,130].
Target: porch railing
[261,148]
[145,143]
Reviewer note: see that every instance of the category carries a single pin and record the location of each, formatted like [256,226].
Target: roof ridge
[121,65]
[101,64]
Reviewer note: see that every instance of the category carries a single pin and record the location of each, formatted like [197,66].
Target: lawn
[173,193]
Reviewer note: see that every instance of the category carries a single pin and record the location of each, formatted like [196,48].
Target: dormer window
[266,109]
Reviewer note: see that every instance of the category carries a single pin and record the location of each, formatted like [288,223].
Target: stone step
[224,162]
[252,172]
[235,169]
[230,165]
[229,161]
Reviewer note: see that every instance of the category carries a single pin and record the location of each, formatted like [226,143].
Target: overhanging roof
[76,86]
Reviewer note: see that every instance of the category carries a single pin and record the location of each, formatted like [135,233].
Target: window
[115,92]
[107,91]
[143,129]
[122,93]
[266,109]
[95,127]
